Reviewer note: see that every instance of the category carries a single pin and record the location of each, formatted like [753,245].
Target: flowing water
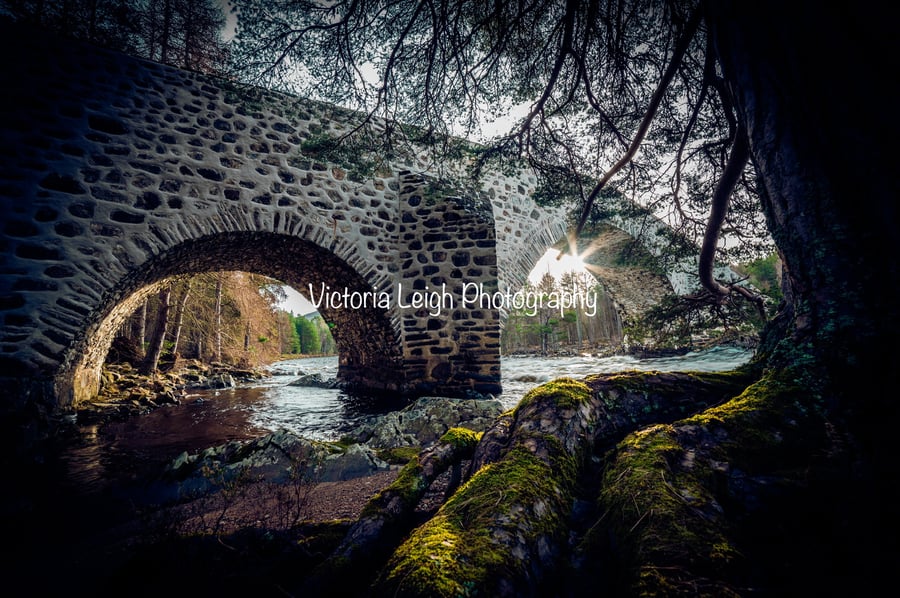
[206,418]
[324,414]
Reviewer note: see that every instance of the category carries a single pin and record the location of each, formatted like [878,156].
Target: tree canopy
[611,94]
[183,33]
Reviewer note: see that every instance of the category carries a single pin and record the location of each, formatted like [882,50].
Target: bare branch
[680,50]
[708,76]
[737,160]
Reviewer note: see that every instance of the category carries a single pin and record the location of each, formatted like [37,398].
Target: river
[324,414]
[121,449]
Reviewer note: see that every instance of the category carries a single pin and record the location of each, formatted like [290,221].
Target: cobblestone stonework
[117,173]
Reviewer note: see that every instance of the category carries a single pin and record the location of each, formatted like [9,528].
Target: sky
[230,20]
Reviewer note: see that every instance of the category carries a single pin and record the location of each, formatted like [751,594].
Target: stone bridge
[118,173]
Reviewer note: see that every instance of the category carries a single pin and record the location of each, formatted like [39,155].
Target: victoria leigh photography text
[470,295]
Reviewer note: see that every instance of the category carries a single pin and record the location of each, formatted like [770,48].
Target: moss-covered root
[388,515]
[502,531]
[666,490]
[621,403]
[491,536]
[629,401]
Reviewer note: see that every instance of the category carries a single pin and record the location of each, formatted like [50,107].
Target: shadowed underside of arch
[367,337]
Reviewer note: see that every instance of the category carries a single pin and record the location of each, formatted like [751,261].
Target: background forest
[183,33]
[224,317]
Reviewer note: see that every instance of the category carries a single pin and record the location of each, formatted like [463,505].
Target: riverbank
[104,534]
[744,342]
[247,535]
[125,392]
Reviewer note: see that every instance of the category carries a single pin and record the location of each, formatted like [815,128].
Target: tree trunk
[154,351]
[165,40]
[218,312]
[789,487]
[828,187]
[179,318]
[142,328]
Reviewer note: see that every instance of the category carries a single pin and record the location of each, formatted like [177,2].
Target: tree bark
[154,351]
[827,185]
[388,517]
[504,532]
[218,314]
[803,449]
[179,318]
[142,328]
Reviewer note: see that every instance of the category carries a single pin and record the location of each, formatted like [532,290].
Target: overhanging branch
[655,100]
[737,160]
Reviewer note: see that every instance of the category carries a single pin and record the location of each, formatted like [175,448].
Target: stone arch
[121,172]
[631,277]
[368,338]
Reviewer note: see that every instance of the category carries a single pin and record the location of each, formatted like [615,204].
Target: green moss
[649,380]
[439,559]
[664,513]
[461,438]
[400,455]
[564,392]
[409,486]
[345,442]
[753,421]
[660,488]
[355,155]
[465,547]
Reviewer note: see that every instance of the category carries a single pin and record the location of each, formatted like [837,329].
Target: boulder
[315,380]
[279,457]
[427,419]
[218,381]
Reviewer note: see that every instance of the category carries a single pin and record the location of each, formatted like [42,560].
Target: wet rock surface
[316,381]
[285,457]
[425,421]
[281,457]
[125,392]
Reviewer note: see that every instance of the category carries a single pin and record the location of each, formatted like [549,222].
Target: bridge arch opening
[570,310]
[237,318]
[628,279]
[369,352]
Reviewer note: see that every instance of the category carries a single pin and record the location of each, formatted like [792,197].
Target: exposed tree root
[388,517]
[505,531]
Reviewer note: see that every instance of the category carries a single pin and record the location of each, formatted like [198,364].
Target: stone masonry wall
[449,242]
[116,173]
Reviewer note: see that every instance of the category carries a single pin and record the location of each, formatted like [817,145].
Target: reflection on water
[208,418]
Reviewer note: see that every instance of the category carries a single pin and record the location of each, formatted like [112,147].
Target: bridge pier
[449,347]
